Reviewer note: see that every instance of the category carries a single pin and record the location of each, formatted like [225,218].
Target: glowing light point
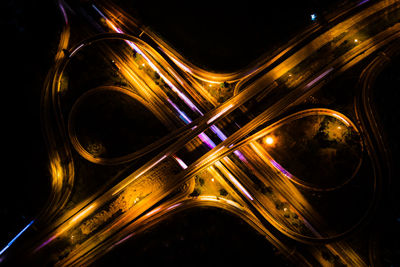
[356,40]
[269,140]
[313,17]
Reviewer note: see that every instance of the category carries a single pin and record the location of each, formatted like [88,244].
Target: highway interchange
[263,99]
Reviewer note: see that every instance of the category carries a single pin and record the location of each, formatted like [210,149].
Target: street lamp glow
[269,140]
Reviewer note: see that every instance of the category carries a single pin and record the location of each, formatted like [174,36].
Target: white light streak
[220,113]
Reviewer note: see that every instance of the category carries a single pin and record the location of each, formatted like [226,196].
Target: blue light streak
[15,238]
